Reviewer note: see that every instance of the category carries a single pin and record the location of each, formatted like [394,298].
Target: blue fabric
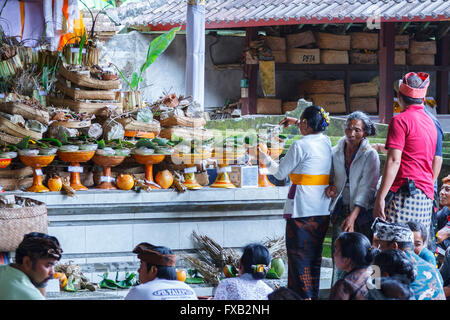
[440,133]
[428,284]
[428,256]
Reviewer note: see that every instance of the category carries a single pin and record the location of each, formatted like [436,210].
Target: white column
[195,50]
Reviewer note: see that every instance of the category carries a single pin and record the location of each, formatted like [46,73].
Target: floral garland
[326,118]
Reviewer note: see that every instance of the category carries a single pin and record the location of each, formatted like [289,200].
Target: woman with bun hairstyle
[308,165]
[354,176]
[394,263]
[249,285]
[353,253]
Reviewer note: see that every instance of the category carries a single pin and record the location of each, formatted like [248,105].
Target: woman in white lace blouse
[249,285]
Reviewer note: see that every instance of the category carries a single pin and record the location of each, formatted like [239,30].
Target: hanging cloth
[267,73]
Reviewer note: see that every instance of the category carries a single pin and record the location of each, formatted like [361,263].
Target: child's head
[353,250]
[420,235]
[316,118]
[255,260]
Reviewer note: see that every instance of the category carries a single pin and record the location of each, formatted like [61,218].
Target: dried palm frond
[218,255]
[276,247]
[210,274]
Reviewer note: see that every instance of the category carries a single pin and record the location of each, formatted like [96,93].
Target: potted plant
[132,99]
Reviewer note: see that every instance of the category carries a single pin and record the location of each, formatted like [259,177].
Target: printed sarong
[304,241]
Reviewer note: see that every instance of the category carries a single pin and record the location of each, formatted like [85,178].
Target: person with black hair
[354,177]
[27,278]
[353,254]
[395,263]
[308,165]
[428,282]
[158,276]
[420,238]
[249,285]
[390,288]
[406,192]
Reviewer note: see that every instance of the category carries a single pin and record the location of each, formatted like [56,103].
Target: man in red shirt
[411,144]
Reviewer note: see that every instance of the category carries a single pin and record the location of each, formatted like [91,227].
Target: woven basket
[79,106]
[17,131]
[400,57]
[332,103]
[301,39]
[368,105]
[182,121]
[422,47]
[16,222]
[321,86]
[268,106]
[186,133]
[288,106]
[87,81]
[9,139]
[363,58]
[81,94]
[420,59]
[333,57]
[401,42]
[276,43]
[25,111]
[303,56]
[363,89]
[279,56]
[333,41]
[364,40]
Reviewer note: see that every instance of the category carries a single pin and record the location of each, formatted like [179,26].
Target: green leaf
[134,81]
[123,77]
[80,53]
[157,47]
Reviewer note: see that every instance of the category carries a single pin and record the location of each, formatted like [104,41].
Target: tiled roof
[228,13]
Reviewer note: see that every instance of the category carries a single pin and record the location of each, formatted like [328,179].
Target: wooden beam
[386,72]
[251,73]
[442,76]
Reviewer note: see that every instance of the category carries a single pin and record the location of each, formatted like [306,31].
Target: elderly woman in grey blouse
[354,176]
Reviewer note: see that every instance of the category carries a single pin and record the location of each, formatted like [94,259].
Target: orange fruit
[164,178]
[62,279]
[181,275]
[125,181]
[55,183]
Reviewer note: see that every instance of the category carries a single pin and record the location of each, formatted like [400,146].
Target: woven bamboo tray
[86,81]
[79,106]
[186,133]
[73,124]
[363,89]
[182,121]
[321,86]
[17,174]
[12,184]
[80,94]
[332,41]
[134,125]
[9,139]
[364,40]
[334,57]
[17,131]
[25,111]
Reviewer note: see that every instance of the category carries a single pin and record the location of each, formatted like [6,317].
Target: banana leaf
[80,54]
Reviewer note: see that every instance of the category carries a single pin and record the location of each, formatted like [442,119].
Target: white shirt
[162,289]
[244,287]
[309,155]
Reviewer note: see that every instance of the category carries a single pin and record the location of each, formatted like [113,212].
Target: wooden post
[386,72]
[251,72]
[442,75]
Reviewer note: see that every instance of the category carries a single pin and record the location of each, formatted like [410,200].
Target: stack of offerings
[364,48]
[363,97]
[333,47]
[277,45]
[329,94]
[21,116]
[301,48]
[182,121]
[87,89]
[421,52]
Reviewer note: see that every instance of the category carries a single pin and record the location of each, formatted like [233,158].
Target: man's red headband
[416,93]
